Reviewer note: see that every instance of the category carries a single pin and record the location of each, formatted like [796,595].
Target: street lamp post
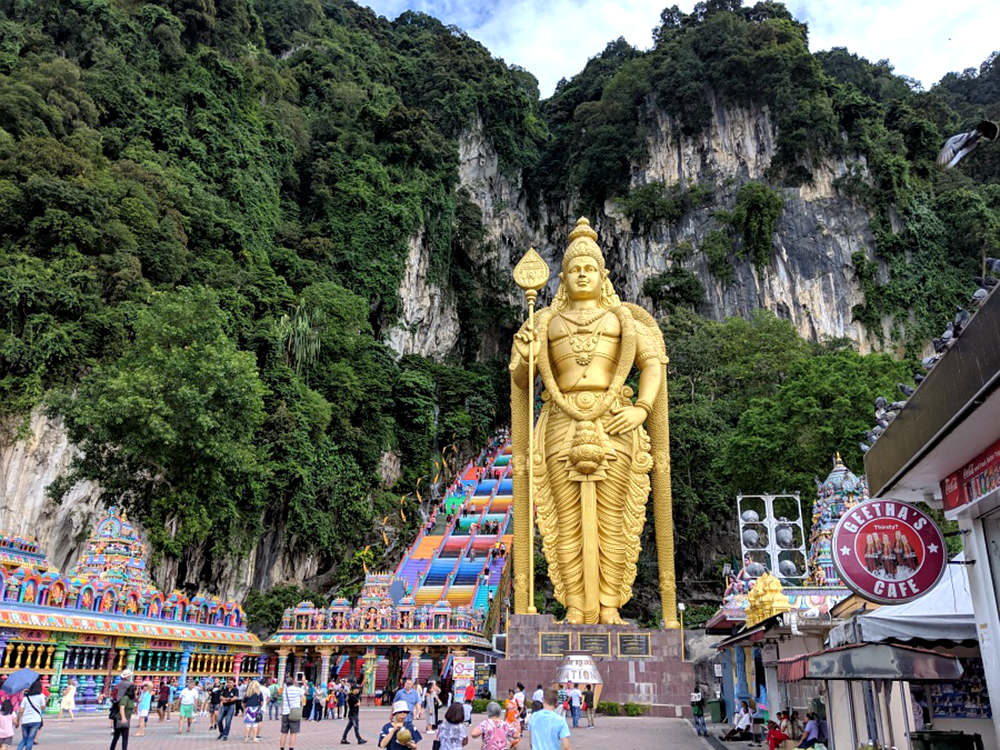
[680,608]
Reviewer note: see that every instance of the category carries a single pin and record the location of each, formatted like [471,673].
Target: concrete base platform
[537,646]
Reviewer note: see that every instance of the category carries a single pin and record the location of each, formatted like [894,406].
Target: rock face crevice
[809,279]
[428,320]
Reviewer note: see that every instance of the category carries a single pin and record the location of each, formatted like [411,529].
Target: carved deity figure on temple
[592,452]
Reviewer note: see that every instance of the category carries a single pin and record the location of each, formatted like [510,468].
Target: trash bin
[716,709]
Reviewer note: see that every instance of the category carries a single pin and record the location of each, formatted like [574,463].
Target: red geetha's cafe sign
[888,552]
[976,479]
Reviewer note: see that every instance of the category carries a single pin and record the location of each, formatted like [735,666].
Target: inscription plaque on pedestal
[553,644]
[633,644]
[596,644]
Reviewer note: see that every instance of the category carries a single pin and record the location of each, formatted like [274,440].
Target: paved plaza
[617,733]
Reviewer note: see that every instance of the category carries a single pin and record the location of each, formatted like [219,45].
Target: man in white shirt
[291,698]
[575,701]
[537,699]
[188,698]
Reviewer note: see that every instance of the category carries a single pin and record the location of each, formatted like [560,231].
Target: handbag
[294,714]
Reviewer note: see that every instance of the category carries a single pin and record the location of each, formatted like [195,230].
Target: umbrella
[19,680]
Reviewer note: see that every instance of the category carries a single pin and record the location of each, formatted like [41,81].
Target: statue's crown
[583,241]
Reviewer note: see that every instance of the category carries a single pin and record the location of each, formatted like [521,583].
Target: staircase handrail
[493,614]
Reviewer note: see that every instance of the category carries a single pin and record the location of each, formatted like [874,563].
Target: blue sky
[924,39]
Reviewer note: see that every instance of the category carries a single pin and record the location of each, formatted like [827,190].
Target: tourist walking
[353,708]
[187,699]
[291,712]
[536,698]
[143,706]
[399,733]
[273,707]
[310,695]
[253,712]
[549,730]
[563,698]
[575,701]
[432,702]
[410,696]
[163,700]
[451,733]
[126,705]
[6,723]
[228,698]
[698,712]
[68,700]
[588,705]
[29,716]
[341,699]
[497,734]
[214,702]
[319,701]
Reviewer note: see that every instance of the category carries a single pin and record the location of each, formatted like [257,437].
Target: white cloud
[924,39]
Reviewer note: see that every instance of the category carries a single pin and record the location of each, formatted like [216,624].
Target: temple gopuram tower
[841,491]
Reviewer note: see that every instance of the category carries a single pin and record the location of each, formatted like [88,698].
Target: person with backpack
[122,716]
[273,707]
[496,732]
[698,712]
[29,716]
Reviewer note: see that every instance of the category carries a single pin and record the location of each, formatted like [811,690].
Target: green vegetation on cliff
[205,215]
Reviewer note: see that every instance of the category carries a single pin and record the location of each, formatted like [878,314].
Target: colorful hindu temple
[106,615]
[444,599]
[759,609]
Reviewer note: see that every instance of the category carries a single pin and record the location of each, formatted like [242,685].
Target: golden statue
[591,453]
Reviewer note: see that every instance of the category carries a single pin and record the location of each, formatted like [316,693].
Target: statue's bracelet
[645,406]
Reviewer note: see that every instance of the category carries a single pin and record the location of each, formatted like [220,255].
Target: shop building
[106,615]
[943,448]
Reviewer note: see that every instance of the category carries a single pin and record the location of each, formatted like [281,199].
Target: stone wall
[660,681]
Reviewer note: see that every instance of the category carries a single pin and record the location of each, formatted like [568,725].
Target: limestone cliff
[809,279]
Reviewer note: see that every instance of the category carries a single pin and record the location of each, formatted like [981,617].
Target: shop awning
[942,614]
[870,661]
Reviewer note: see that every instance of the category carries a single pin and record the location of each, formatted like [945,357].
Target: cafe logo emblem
[888,552]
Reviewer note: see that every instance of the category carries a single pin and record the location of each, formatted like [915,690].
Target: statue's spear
[531,274]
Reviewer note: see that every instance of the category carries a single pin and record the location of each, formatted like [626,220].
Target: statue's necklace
[583,342]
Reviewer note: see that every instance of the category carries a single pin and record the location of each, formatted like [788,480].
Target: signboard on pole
[888,552]
[463,669]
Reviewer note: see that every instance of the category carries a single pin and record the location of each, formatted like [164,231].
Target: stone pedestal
[537,644]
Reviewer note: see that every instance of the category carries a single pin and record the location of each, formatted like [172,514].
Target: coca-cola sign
[888,552]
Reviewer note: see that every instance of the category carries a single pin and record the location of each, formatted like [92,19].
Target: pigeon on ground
[993,265]
[918,378]
[959,146]
[880,403]
[864,448]
[883,423]
[986,281]
[908,390]
[895,406]
[928,362]
[979,295]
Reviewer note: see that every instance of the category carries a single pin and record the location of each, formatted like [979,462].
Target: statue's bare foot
[610,616]
[573,616]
